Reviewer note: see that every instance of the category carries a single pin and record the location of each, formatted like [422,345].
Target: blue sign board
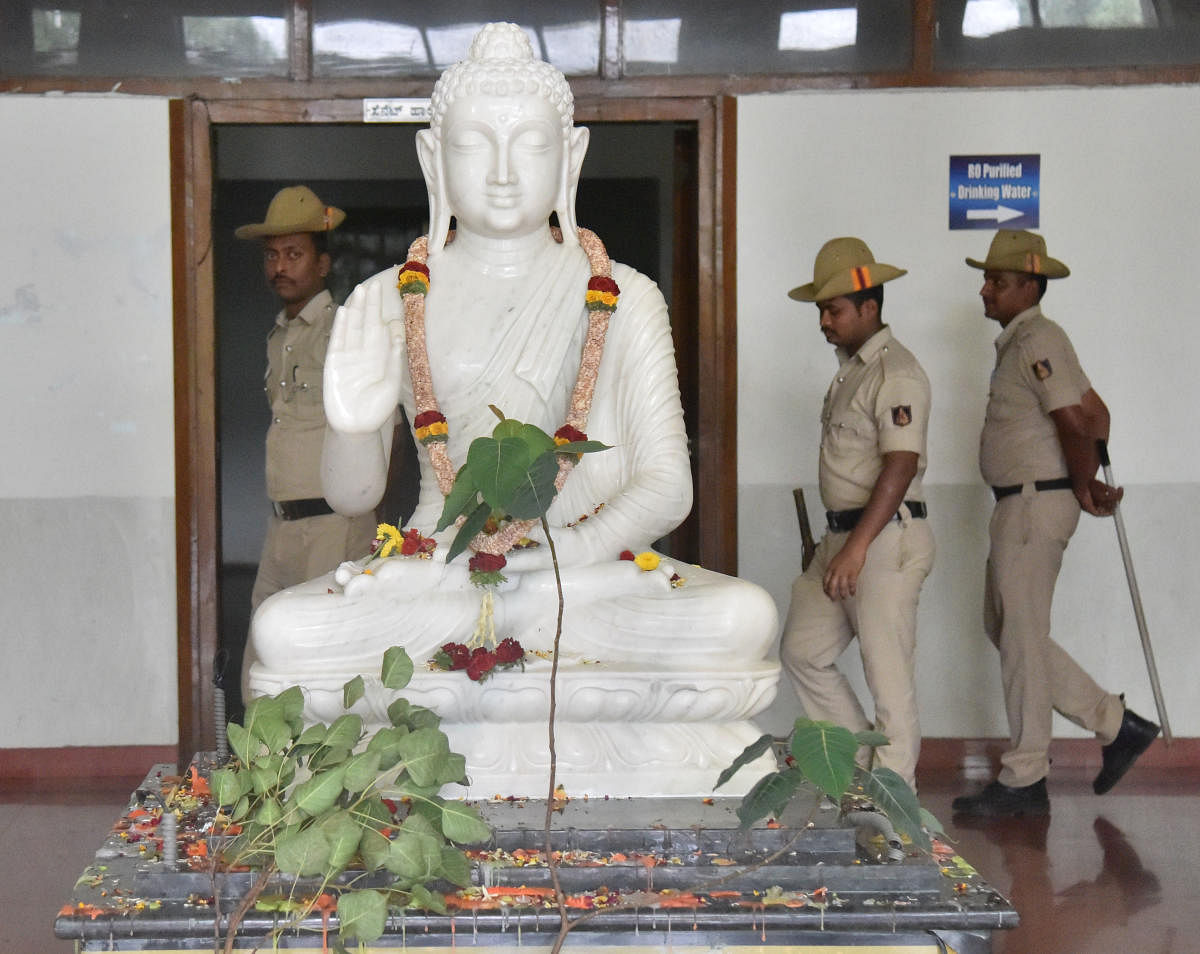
[992,192]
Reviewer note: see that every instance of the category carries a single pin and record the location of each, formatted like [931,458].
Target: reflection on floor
[1102,875]
[1105,874]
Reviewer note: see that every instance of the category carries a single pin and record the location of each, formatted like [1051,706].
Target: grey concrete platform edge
[920,902]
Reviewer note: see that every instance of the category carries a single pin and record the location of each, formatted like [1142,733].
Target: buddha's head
[502,151]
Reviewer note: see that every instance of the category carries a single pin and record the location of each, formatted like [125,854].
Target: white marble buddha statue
[657,681]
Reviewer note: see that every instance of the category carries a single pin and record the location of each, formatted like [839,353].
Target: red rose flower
[626,555]
[509,651]
[412,542]
[486,563]
[459,655]
[481,663]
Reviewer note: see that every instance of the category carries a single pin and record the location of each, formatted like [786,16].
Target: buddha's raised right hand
[363,362]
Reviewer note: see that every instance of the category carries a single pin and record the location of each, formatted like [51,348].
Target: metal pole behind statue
[1135,595]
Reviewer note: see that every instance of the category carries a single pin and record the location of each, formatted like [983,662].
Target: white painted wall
[1119,206]
[87,510]
[86,493]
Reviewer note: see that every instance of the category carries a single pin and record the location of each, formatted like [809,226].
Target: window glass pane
[1024,34]
[144,37]
[224,44]
[689,37]
[818,29]
[55,33]
[403,38]
[1101,15]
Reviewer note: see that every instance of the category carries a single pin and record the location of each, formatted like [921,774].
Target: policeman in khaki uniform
[1038,452]
[867,572]
[305,538]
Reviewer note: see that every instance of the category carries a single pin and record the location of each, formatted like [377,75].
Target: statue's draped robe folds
[656,682]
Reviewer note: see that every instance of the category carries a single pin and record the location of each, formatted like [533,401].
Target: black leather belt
[1058,483]
[299,509]
[843,521]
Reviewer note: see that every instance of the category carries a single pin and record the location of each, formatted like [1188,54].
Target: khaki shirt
[877,403]
[295,373]
[1036,372]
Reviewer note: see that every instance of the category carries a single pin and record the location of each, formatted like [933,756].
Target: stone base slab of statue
[619,732]
[651,854]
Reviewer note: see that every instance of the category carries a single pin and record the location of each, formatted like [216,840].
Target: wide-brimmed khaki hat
[1015,250]
[844,266]
[294,209]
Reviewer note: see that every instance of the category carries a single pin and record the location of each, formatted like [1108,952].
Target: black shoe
[1119,755]
[999,800]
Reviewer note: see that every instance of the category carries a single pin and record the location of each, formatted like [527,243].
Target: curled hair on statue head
[501,63]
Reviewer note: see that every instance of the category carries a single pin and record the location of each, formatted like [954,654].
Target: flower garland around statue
[481,653]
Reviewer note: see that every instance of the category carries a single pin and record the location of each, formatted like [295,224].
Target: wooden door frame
[197,511]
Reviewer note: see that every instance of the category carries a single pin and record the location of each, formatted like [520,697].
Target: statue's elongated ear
[429,156]
[577,143]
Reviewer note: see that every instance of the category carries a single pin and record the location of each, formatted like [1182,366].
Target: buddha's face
[503,162]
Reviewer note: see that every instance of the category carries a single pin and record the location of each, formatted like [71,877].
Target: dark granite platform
[695,880]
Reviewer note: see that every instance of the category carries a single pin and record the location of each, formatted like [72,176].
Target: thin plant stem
[235,919]
[559,898]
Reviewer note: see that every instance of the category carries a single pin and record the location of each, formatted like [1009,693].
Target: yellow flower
[390,536]
[647,560]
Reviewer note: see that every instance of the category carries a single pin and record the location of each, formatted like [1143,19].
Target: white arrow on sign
[1001,213]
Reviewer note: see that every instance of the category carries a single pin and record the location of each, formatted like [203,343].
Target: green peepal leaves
[362,915]
[507,476]
[310,801]
[825,752]
[462,824]
[894,798]
[397,668]
[758,747]
[822,755]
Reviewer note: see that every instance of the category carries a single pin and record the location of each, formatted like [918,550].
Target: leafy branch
[823,754]
[509,476]
[307,801]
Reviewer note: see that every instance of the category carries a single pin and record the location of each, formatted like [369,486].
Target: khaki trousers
[298,550]
[1029,532]
[883,615]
